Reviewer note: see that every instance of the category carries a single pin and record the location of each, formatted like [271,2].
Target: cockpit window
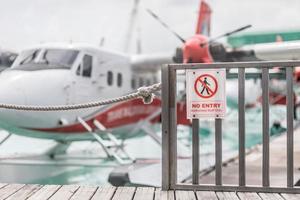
[29,56]
[47,58]
[59,57]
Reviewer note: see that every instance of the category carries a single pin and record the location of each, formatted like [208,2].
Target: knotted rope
[146,93]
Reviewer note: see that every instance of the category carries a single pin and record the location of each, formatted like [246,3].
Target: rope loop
[147,93]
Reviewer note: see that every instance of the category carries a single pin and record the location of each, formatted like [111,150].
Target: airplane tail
[204,18]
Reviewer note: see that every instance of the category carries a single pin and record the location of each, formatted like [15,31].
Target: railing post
[241,105]
[218,149]
[165,118]
[173,126]
[195,161]
[290,128]
[265,126]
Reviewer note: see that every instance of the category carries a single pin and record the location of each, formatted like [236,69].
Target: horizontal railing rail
[169,128]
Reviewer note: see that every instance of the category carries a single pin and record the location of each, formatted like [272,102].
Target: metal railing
[169,130]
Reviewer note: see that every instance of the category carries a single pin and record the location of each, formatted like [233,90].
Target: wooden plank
[45,192]
[291,196]
[248,196]
[124,193]
[185,195]
[270,196]
[2,185]
[145,193]
[9,190]
[164,195]
[227,196]
[84,193]
[206,195]
[24,192]
[157,194]
[104,193]
[65,192]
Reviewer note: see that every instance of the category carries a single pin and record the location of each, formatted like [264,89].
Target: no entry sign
[206,95]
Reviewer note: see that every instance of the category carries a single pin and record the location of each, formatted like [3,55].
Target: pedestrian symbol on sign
[206,86]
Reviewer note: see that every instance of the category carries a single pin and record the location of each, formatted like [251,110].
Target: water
[144,147]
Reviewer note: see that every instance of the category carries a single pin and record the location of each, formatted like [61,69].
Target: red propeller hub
[196,50]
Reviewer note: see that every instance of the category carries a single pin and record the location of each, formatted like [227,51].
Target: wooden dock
[53,192]
[254,165]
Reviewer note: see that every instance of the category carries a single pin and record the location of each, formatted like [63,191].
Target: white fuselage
[60,75]
[70,74]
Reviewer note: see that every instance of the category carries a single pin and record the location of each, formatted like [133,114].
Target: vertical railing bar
[218,150]
[165,129]
[173,126]
[290,128]
[241,111]
[195,159]
[265,127]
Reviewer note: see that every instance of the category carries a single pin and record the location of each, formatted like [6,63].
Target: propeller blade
[165,25]
[229,33]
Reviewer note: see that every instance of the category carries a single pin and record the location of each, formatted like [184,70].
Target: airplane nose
[12,95]
[11,91]
[35,88]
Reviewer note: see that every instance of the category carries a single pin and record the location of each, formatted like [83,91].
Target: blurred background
[30,22]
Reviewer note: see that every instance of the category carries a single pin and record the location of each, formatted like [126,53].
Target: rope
[146,93]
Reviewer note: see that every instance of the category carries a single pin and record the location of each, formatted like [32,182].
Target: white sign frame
[206,93]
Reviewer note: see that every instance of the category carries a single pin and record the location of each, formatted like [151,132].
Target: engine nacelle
[196,50]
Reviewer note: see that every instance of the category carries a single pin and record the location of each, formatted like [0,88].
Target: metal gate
[169,129]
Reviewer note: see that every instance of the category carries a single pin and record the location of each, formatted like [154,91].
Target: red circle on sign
[213,92]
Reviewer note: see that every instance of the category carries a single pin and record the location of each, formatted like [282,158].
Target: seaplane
[60,74]
[68,74]
[73,73]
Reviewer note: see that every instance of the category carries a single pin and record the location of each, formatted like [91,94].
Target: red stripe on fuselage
[122,114]
[118,115]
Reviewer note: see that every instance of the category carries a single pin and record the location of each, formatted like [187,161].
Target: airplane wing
[274,51]
[150,62]
[256,52]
